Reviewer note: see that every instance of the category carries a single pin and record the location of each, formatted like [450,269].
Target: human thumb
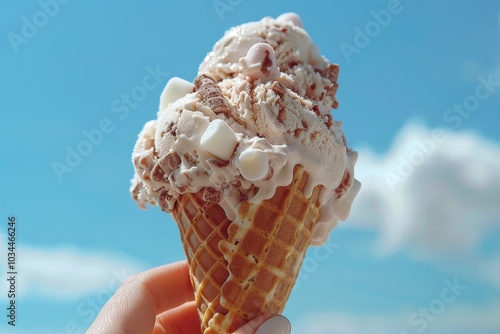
[275,325]
[266,324]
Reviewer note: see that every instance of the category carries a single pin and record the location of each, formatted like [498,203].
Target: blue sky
[419,97]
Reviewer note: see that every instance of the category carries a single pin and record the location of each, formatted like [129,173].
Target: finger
[181,320]
[130,310]
[169,285]
[134,306]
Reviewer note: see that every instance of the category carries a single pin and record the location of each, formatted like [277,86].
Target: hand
[161,301]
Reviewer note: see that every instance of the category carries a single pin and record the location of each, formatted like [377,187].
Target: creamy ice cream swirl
[259,107]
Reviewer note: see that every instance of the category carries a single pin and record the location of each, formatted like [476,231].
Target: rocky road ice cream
[260,105]
[252,166]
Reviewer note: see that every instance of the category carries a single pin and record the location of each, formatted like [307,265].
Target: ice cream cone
[252,165]
[248,267]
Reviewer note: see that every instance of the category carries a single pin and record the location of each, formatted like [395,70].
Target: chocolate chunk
[332,90]
[332,72]
[135,192]
[329,121]
[165,165]
[211,95]
[218,163]
[278,88]
[316,110]
[266,64]
[335,104]
[157,174]
[211,195]
[344,185]
[163,201]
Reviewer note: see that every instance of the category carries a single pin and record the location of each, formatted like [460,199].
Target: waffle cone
[244,268]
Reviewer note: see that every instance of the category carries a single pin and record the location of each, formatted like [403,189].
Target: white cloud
[443,200]
[437,197]
[68,273]
[456,318]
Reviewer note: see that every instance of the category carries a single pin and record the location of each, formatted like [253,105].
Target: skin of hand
[161,301]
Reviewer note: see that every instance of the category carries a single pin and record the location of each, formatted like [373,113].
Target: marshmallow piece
[174,90]
[253,164]
[292,18]
[219,139]
[260,63]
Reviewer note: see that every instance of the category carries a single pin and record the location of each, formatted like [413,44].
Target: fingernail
[275,325]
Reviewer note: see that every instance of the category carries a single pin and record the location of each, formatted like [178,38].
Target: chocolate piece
[278,88]
[211,95]
[211,195]
[169,162]
[344,185]
[332,72]
[266,64]
[329,121]
[157,174]
[163,201]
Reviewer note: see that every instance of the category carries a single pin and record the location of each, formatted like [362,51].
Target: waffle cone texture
[247,267]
